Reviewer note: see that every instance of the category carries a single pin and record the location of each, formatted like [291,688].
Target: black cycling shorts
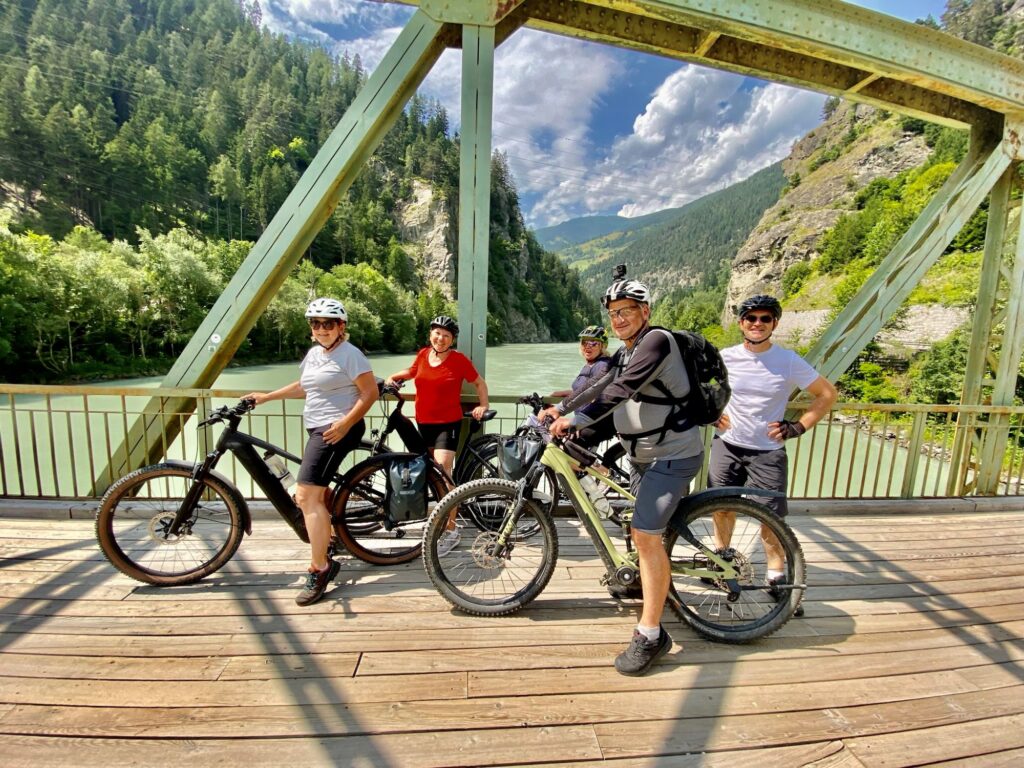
[441,437]
[320,461]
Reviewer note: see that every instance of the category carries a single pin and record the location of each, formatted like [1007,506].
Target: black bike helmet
[594,332]
[445,322]
[760,301]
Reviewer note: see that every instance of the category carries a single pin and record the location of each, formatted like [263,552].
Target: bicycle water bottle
[279,470]
[596,495]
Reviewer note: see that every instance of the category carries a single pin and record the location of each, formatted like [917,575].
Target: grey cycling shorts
[659,487]
[733,465]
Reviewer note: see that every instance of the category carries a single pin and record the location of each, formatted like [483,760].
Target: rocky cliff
[854,146]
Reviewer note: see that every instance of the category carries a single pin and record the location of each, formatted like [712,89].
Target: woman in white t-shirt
[339,387]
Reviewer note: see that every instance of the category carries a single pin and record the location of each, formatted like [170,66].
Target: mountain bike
[715,541]
[176,522]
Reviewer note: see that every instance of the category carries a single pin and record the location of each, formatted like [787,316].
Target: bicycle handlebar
[227,412]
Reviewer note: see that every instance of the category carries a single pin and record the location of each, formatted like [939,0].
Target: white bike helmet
[324,307]
[627,289]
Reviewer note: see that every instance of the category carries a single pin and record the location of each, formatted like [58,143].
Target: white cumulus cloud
[701,131]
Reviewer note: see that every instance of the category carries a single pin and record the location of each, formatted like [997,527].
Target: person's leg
[319,463]
[312,501]
[770,471]
[660,489]
[725,468]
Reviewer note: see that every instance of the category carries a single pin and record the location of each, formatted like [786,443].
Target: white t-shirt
[761,384]
[328,379]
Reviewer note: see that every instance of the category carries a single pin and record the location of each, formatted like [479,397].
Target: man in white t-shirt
[748,447]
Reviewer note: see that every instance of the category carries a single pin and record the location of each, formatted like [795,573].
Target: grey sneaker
[316,584]
[448,541]
[778,595]
[641,653]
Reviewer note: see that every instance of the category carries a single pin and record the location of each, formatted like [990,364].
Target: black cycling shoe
[316,584]
[642,653]
[622,592]
[778,595]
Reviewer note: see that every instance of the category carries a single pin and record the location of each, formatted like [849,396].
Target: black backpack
[709,389]
[709,380]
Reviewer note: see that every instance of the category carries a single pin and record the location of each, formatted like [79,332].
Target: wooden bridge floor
[911,653]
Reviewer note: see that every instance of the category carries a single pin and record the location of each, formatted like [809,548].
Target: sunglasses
[590,343]
[328,325]
[759,319]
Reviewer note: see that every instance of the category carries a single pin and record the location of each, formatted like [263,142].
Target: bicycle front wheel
[751,532]
[360,519]
[135,515]
[466,564]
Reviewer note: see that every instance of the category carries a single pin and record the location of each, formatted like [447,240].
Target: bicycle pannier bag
[406,497]
[516,455]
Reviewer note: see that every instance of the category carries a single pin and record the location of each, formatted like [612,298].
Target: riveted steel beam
[475,189]
[855,37]
[288,234]
[481,13]
[710,47]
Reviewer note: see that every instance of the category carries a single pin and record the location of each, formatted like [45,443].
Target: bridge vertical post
[1010,343]
[478,44]
[981,331]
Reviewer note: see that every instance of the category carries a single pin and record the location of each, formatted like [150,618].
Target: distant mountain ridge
[577,231]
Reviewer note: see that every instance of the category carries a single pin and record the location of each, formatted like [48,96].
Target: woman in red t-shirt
[438,372]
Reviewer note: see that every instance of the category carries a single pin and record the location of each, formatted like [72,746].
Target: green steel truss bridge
[824,45]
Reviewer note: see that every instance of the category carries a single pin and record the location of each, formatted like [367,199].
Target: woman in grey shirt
[339,387]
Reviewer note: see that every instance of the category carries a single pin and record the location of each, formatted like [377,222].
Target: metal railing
[56,441]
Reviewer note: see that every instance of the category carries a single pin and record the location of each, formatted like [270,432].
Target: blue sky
[591,129]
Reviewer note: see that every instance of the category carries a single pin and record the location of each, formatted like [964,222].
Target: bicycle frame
[565,468]
[244,446]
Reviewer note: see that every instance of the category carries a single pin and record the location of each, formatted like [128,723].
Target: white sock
[651,633]
[771,575]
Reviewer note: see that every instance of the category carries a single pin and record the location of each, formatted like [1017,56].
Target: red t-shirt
[439,388]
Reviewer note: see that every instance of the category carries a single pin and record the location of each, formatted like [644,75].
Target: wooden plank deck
[911,653]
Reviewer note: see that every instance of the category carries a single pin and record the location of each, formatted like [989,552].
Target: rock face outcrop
[917,331]
[424,224]
[790,231]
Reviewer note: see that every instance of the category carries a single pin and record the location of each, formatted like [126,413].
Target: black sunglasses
[329,324]
[759,318]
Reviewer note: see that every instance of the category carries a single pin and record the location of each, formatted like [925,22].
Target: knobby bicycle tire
[134,514]
[759,611]
[360,519]
[471,575]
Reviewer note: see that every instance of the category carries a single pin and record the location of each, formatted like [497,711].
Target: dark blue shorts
[659,487]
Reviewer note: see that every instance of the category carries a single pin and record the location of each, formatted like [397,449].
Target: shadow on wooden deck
[911,653]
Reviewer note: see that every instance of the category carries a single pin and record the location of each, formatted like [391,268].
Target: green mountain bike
[717,542]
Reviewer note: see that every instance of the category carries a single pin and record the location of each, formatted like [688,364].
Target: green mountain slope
[692,246]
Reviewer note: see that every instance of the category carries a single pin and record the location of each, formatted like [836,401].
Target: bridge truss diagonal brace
[289,234]
[478,44]
[900,272]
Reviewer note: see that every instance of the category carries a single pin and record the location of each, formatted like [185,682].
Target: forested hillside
[693,248]
[144,144]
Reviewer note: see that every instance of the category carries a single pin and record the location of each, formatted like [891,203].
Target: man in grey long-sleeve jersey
[666,452]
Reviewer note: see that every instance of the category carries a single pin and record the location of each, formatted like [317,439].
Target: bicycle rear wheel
[136,511]
[473,575]
[760,608]
[359,515]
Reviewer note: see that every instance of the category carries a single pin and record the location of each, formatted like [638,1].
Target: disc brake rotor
[158,527]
